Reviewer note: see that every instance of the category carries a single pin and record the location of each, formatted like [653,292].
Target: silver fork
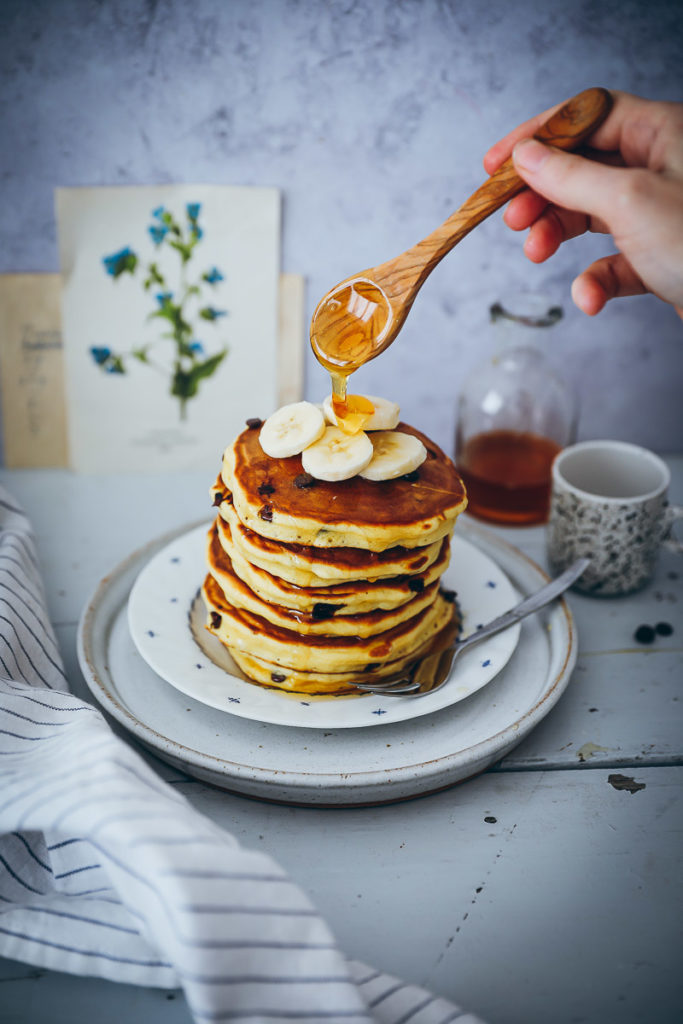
[432,671]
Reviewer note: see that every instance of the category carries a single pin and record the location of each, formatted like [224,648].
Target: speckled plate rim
[351,788]
[189,659]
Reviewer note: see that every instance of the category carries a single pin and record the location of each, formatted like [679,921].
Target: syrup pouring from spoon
[362,315]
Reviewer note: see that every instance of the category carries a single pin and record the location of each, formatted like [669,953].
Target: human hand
[628,184]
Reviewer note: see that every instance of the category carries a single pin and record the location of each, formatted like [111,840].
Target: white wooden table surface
[537,893]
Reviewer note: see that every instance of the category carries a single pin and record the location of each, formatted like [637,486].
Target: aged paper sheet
[31,371]
[32,366]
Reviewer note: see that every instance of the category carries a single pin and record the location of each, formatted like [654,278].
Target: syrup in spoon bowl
[351,325]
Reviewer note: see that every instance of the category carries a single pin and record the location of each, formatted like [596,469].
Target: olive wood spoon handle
[400,279]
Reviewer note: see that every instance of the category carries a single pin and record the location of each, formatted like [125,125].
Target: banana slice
[291,429]
[336,455]
[394,455]
[384,417]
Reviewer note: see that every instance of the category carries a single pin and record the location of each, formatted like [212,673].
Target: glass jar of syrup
[514,415]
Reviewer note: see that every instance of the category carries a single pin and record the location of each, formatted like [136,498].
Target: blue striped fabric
[105,870]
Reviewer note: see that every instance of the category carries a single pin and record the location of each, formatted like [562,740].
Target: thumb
[566,179]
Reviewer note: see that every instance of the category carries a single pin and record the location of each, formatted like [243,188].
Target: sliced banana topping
[291,429]
[394,454]
[333,452]
[336,455]
[385,414]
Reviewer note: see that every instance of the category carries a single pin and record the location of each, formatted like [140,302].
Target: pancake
[243,631]
[317,683]
[332,684]
[321,618]
[307,566]
[356,595]
[273,498]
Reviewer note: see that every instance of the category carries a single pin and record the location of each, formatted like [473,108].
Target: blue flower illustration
[177,308]
[158,232]
[100,355]
[212,276]
[209,313]
[107,360]
[120,262]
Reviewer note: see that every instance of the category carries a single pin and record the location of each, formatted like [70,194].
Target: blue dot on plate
[234,700]
[175,560]
[379,711]
[305,703]
[485,664]
[491,583]
[150,632]
[198,665]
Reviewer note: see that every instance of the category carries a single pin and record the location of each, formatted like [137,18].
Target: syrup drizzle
[347,329]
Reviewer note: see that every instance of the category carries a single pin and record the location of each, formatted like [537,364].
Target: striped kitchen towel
[105,870]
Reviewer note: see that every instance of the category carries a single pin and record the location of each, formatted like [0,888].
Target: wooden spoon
[361,316]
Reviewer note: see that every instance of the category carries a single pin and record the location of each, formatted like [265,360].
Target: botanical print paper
[170,321]
[32,365]
[31,371]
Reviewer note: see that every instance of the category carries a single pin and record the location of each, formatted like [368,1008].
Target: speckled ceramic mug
[609,502]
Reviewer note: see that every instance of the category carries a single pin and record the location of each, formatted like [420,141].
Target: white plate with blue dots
[166,621]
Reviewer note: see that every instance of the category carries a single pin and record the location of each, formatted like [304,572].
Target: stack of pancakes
[313,585]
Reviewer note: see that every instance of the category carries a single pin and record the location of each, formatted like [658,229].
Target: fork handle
[529,605]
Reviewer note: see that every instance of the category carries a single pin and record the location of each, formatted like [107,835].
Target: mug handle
[674,513]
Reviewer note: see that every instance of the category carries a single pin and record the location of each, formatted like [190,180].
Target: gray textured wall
[372,117]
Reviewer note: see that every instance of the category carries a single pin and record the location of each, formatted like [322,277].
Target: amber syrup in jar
[507,476]
[514,415]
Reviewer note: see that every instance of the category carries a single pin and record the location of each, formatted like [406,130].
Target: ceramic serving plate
[166,620]
[331,765]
